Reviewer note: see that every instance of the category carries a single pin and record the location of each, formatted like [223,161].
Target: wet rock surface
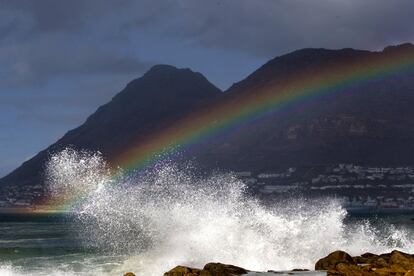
[183,271]
[210,269]
[338,263]
[396,263]
[333,259]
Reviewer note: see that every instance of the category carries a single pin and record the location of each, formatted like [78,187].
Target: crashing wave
[170,215]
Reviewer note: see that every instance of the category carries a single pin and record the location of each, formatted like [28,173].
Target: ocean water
[34,244]
[150,222]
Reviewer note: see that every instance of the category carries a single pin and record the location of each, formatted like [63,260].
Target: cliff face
[369,123]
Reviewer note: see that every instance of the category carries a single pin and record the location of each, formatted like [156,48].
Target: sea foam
[170,216]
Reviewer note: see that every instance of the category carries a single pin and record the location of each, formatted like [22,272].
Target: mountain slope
[158,98]
[365,123]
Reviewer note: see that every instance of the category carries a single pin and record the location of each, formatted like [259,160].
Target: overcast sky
[60,60]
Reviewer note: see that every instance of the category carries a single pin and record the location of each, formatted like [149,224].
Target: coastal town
[360,188]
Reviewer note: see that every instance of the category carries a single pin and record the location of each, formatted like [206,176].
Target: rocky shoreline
[338,263]
[341,263]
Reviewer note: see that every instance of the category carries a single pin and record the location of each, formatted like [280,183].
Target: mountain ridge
[380,110]
[146,102]
[348,128]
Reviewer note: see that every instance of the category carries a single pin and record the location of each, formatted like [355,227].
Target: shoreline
[395,263]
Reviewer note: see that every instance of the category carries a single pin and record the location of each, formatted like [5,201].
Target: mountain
[157,99]
[369,123]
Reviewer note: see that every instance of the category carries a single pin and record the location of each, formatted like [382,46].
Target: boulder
[391,270]
[183,271]
[369,255]
[380,262]
[330,261]
[347,269]
[402,259]
[210,269]
[366,258]
[338,263]
[219,269]
[385,256]
[396,263]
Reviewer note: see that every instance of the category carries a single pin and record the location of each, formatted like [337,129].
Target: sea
[172,215]
[49,244]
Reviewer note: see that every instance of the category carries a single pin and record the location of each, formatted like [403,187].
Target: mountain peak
[368,123]
[399,47]
[161,68]
[165,71]
[288,65]
[146,105]
[165,79]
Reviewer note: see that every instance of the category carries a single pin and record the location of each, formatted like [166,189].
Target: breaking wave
[170,215]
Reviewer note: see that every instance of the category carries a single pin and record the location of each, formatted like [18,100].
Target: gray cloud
[77,37]
[37,62]
[32,18]
[268,28]
[48,16]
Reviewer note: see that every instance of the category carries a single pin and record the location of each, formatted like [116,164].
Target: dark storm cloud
[264,27]
[43,40]
[49,38]
[41,60]
[269,27]
[48,16]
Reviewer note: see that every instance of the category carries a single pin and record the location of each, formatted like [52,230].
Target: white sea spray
[170,216]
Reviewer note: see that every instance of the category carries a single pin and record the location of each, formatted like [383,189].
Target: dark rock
[210,269]
[404,260]
[183,271]
[395,263]
[219,269]
[380,262]
[369,255]
[330,261]
[365,258]
[346,269]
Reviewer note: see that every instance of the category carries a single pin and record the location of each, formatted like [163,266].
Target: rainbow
[256,103]
[269,98]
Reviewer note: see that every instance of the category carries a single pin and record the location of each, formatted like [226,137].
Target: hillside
[157,99]
[367,124]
